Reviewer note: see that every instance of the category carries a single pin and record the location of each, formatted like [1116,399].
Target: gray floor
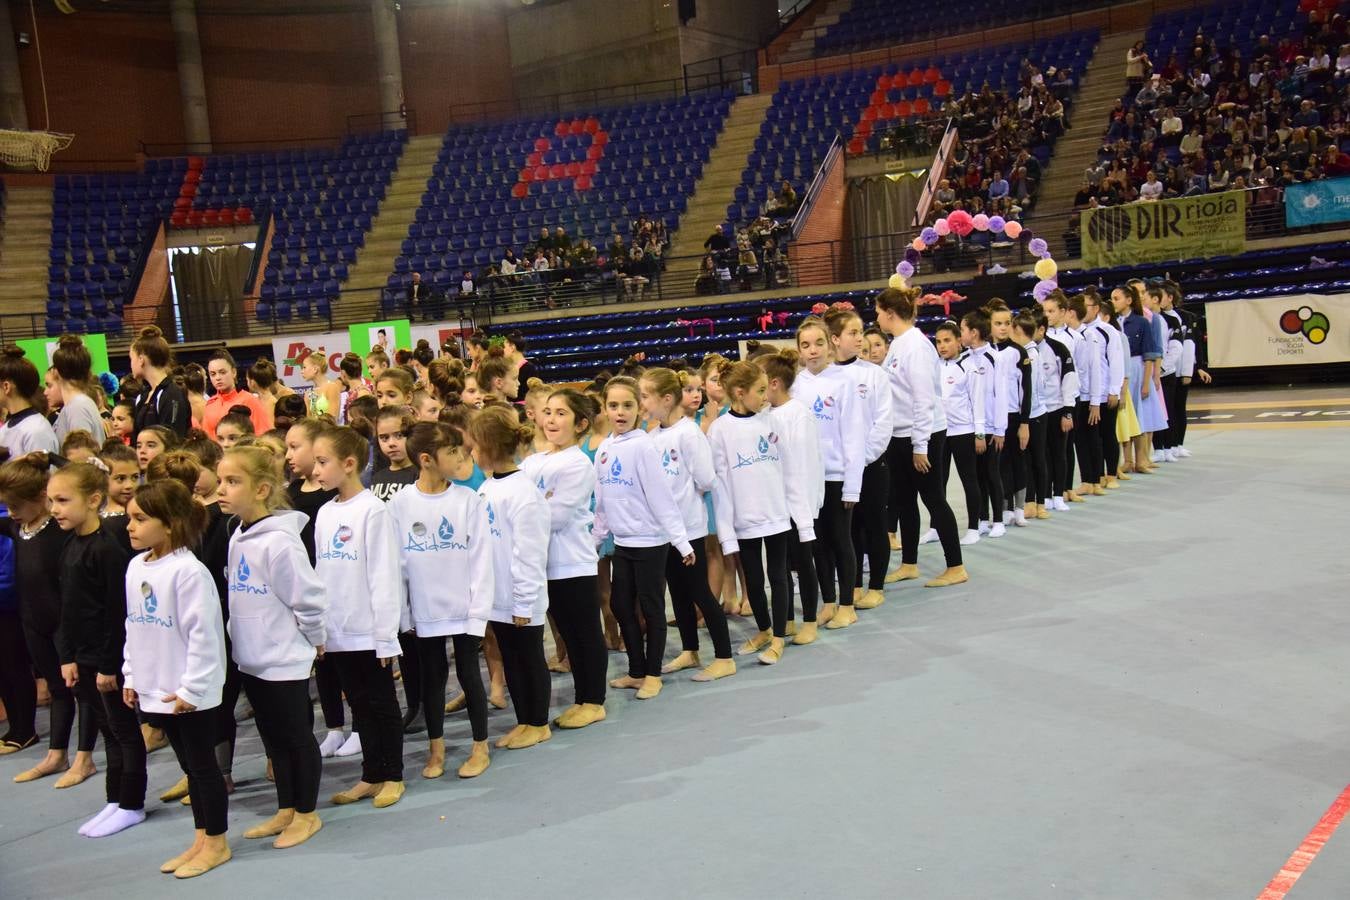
[1143,698]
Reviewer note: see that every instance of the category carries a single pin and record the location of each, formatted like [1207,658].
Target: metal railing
[364,123]
[870,258]
[936,172]
[389,120]
[816,186]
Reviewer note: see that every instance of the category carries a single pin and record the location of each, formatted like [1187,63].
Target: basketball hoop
[31,149]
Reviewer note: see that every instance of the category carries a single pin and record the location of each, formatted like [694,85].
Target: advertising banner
[1184,228]
[1317,202]
[390,335]
[39,351]
[1301,329]
[289,349]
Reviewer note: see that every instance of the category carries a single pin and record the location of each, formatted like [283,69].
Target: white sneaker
[999,530]
[1007,517]
[1059,504]
[1156,456]
[1020,518]
[984,527]
[971,536]
[929,537]
[330,743]
[351,746]
[1172,455]
[1183,453]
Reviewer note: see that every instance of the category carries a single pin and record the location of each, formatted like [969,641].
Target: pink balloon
[961,222]
[918,244]
[942,227]
[1012,229]
[981,222]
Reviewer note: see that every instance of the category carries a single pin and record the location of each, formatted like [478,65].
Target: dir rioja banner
[1184,228]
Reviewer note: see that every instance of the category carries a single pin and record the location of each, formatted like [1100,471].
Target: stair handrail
[817,185]
[936,170]
[263,219]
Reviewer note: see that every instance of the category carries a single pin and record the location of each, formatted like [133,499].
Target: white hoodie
[872,390]
[959,402]
[803,471]
[839,412]
[986,391]
[278,606]
[357,558]
[748,460]
[518,522]
[446,553]
[567,481]
[633,499]
[175,637]
[915,371]
[686,458]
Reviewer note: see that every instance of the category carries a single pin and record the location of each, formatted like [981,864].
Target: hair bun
[69,340]
[13,351]
[150,332]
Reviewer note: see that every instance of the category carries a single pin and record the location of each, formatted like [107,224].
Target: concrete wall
[722,27]
[581,45]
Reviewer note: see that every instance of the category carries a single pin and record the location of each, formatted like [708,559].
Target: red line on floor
[1307,851]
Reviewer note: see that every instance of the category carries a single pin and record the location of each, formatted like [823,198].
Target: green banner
[395,334]
[39,351]
[1184,228]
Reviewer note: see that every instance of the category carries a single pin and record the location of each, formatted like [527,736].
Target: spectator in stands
[544,241]
[706,282]
[788,198]
[561,241]
[1152,188]
[1147,95]
[945,195]
[1171,127]
[1061,86]
[467,288]
[1136,61]
[415,297]
[717,241]
[1308,116]
[1192,142]
[583,255]
[998,186]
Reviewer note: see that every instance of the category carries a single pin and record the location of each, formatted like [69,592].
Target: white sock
[351,746]
[929,537]
[984,526]
[971,536]
[118,820]
[1020,516]
[331,742]
[999,530]
[98,817]
[1007,517]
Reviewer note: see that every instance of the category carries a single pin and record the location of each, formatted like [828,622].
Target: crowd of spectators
[755,252]
[1221,119]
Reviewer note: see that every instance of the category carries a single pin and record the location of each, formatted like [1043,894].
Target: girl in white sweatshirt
[991,429]
[276,625]
[964,408]
[686,460]
[920,429]
[357,559]
[518,527]
[839,413]
[566,475]
[635,504]
[804,478]
[443,529]
[754,520]
[868,385]
[173,665]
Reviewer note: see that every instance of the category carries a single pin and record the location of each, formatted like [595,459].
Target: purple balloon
[906,269]
[911,256]
[1038,247]
[929,235]
[1043,289]
[900,268]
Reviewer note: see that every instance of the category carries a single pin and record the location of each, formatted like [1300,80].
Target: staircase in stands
[390,227]
[1100,85]
[708,207]
[25,235]
[804,47]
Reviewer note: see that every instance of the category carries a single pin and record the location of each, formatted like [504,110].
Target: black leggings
[1087,441]
[803,562]
[1177,423]
[226,727]
[1038,485]
[376,716]
[909,485]
[774,548]
[17,690]
[124,776]
[284,715]
[1013,462]
[639,582]
[193,737]
[409,667]
[961,448]
[689,589]
[526,669]
[1165,439]
[869,528]
[990,471]
[833,546]
[575,606]
[435,673]
[1058,452]
[330,694]
[1106,431]
[64,706]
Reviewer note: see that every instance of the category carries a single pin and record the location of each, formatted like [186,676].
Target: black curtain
[210,286]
